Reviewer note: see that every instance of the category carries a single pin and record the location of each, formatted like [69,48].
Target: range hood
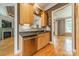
[37,9]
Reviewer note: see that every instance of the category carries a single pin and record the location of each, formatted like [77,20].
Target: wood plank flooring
[62,47]
[48,50]
[6,47]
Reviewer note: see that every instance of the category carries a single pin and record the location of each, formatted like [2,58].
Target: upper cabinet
[43,19]
[26,13]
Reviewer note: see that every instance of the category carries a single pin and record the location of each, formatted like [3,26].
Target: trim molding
[49,6]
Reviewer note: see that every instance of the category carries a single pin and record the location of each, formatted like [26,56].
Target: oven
[7,34]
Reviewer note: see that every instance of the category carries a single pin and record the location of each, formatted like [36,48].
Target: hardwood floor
[48,50]
[6,47]
[62,47]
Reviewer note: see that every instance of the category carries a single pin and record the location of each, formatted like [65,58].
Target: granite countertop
[31,33]
[31,30]
[26,34]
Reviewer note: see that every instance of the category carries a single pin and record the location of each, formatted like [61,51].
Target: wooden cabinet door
[43,19]
[29,46]
[26,13]
[42,40]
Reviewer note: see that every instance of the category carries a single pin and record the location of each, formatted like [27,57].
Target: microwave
[6,24]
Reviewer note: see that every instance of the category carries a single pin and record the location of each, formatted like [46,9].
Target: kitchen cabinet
[32,44]
[42,40]
[26,13]
[28,46]
[43,19]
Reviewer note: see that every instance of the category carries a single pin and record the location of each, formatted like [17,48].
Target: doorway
[62,30]
[7,17]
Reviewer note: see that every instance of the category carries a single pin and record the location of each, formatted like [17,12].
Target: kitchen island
[32,41]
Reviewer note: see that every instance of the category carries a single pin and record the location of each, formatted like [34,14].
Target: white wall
[63,13]
[0,23]
[3,10]
[56,27]
[4,15]
[16,31]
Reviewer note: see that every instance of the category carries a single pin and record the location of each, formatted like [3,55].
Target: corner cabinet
[43,18]
[26,13]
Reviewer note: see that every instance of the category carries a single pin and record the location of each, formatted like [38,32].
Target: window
[68,25]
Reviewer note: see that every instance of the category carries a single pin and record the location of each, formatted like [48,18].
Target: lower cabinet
[29,46]
[33,44]
[42,40]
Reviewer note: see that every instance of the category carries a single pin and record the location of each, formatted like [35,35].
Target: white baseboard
[74,50]
[17,52]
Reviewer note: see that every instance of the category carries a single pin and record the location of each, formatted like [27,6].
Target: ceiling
[10,6]
[46,6]
[10,10]
[7,4]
